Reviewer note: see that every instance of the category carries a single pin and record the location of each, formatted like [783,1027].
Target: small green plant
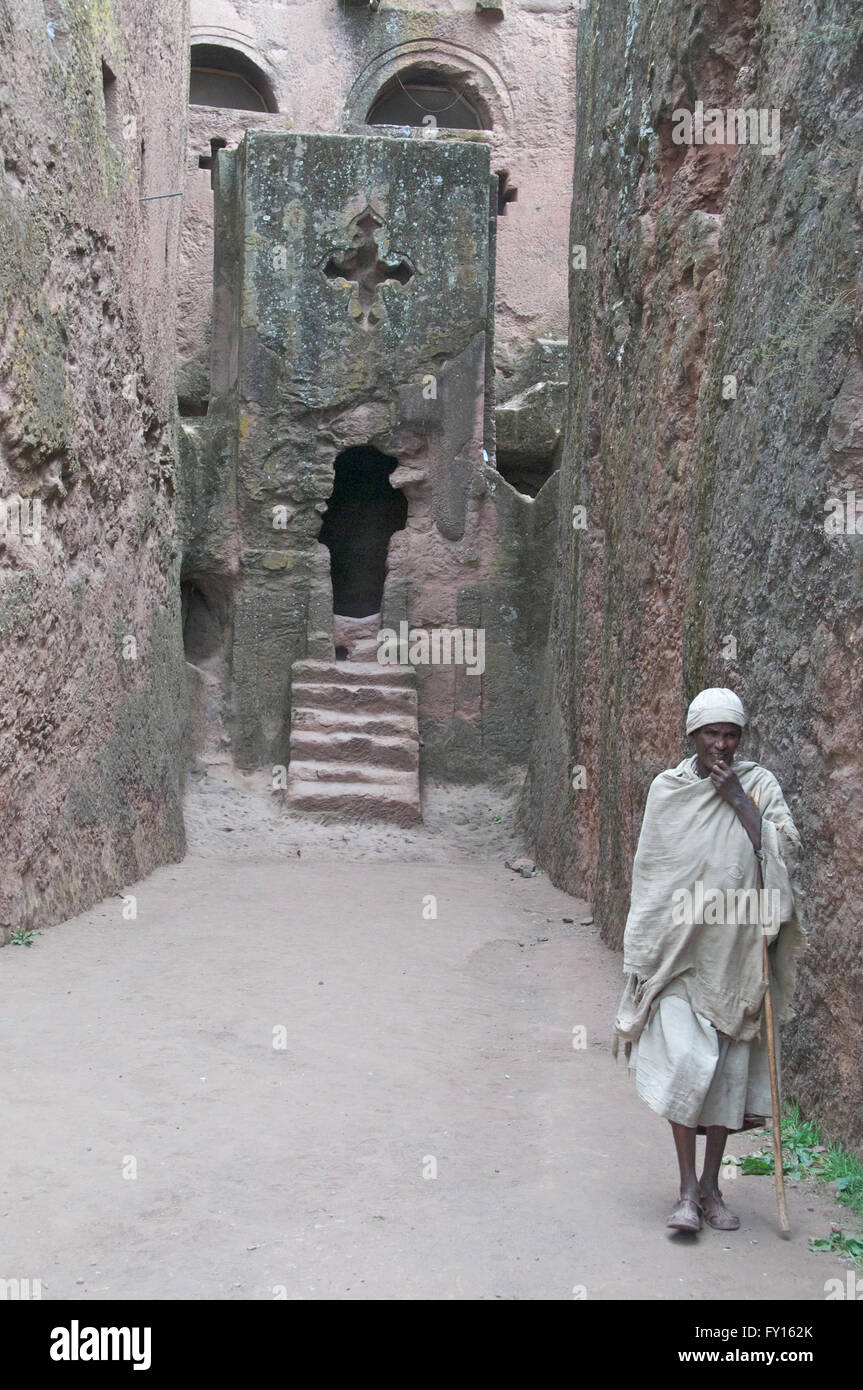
[846,1177]
[805,1156]
[801,1151]
[22,937]
[840,1244]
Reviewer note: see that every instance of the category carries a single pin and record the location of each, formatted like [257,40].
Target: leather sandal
[686,1215]
[716,1213]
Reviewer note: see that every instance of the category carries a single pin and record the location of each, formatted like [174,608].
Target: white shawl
[693,850]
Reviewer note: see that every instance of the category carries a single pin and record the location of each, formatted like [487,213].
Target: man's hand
[727,785]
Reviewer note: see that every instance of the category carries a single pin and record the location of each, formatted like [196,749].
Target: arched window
[225,77]
[418,92]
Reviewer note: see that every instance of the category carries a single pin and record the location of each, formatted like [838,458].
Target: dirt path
[412,1045]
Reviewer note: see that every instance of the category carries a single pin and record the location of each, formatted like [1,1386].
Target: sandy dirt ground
[287,1078]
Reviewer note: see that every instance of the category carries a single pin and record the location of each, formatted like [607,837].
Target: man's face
[716,743]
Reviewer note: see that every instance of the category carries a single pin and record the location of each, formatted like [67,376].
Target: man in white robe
[692,1010]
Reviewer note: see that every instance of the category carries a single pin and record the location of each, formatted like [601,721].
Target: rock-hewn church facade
[371,381]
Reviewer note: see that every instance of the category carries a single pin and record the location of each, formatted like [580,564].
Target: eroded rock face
[715,408]
[90,641]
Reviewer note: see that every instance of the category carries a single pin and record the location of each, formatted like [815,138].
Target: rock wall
[715,409]
[92,116]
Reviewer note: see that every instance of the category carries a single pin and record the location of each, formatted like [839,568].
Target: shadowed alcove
[225,77]
[205,612]
[361,516]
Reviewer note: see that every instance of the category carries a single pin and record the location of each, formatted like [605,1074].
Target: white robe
[691,1013]
[689,1072]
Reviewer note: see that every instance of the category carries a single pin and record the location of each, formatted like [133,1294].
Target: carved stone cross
[366,267]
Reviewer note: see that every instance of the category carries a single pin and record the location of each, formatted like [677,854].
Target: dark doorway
[205,609]
[362,514]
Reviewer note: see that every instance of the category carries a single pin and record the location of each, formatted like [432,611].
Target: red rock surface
[704,560]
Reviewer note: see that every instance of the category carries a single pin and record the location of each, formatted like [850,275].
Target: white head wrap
[715,706]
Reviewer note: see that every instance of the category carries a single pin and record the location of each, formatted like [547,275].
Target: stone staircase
[355,740]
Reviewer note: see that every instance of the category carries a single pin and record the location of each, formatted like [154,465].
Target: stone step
[316,770]
[341,746]
[395,802]
[329,721]
[352,673]
[366,698]
[355,741]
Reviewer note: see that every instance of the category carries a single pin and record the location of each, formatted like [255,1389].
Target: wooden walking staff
[778,1172]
